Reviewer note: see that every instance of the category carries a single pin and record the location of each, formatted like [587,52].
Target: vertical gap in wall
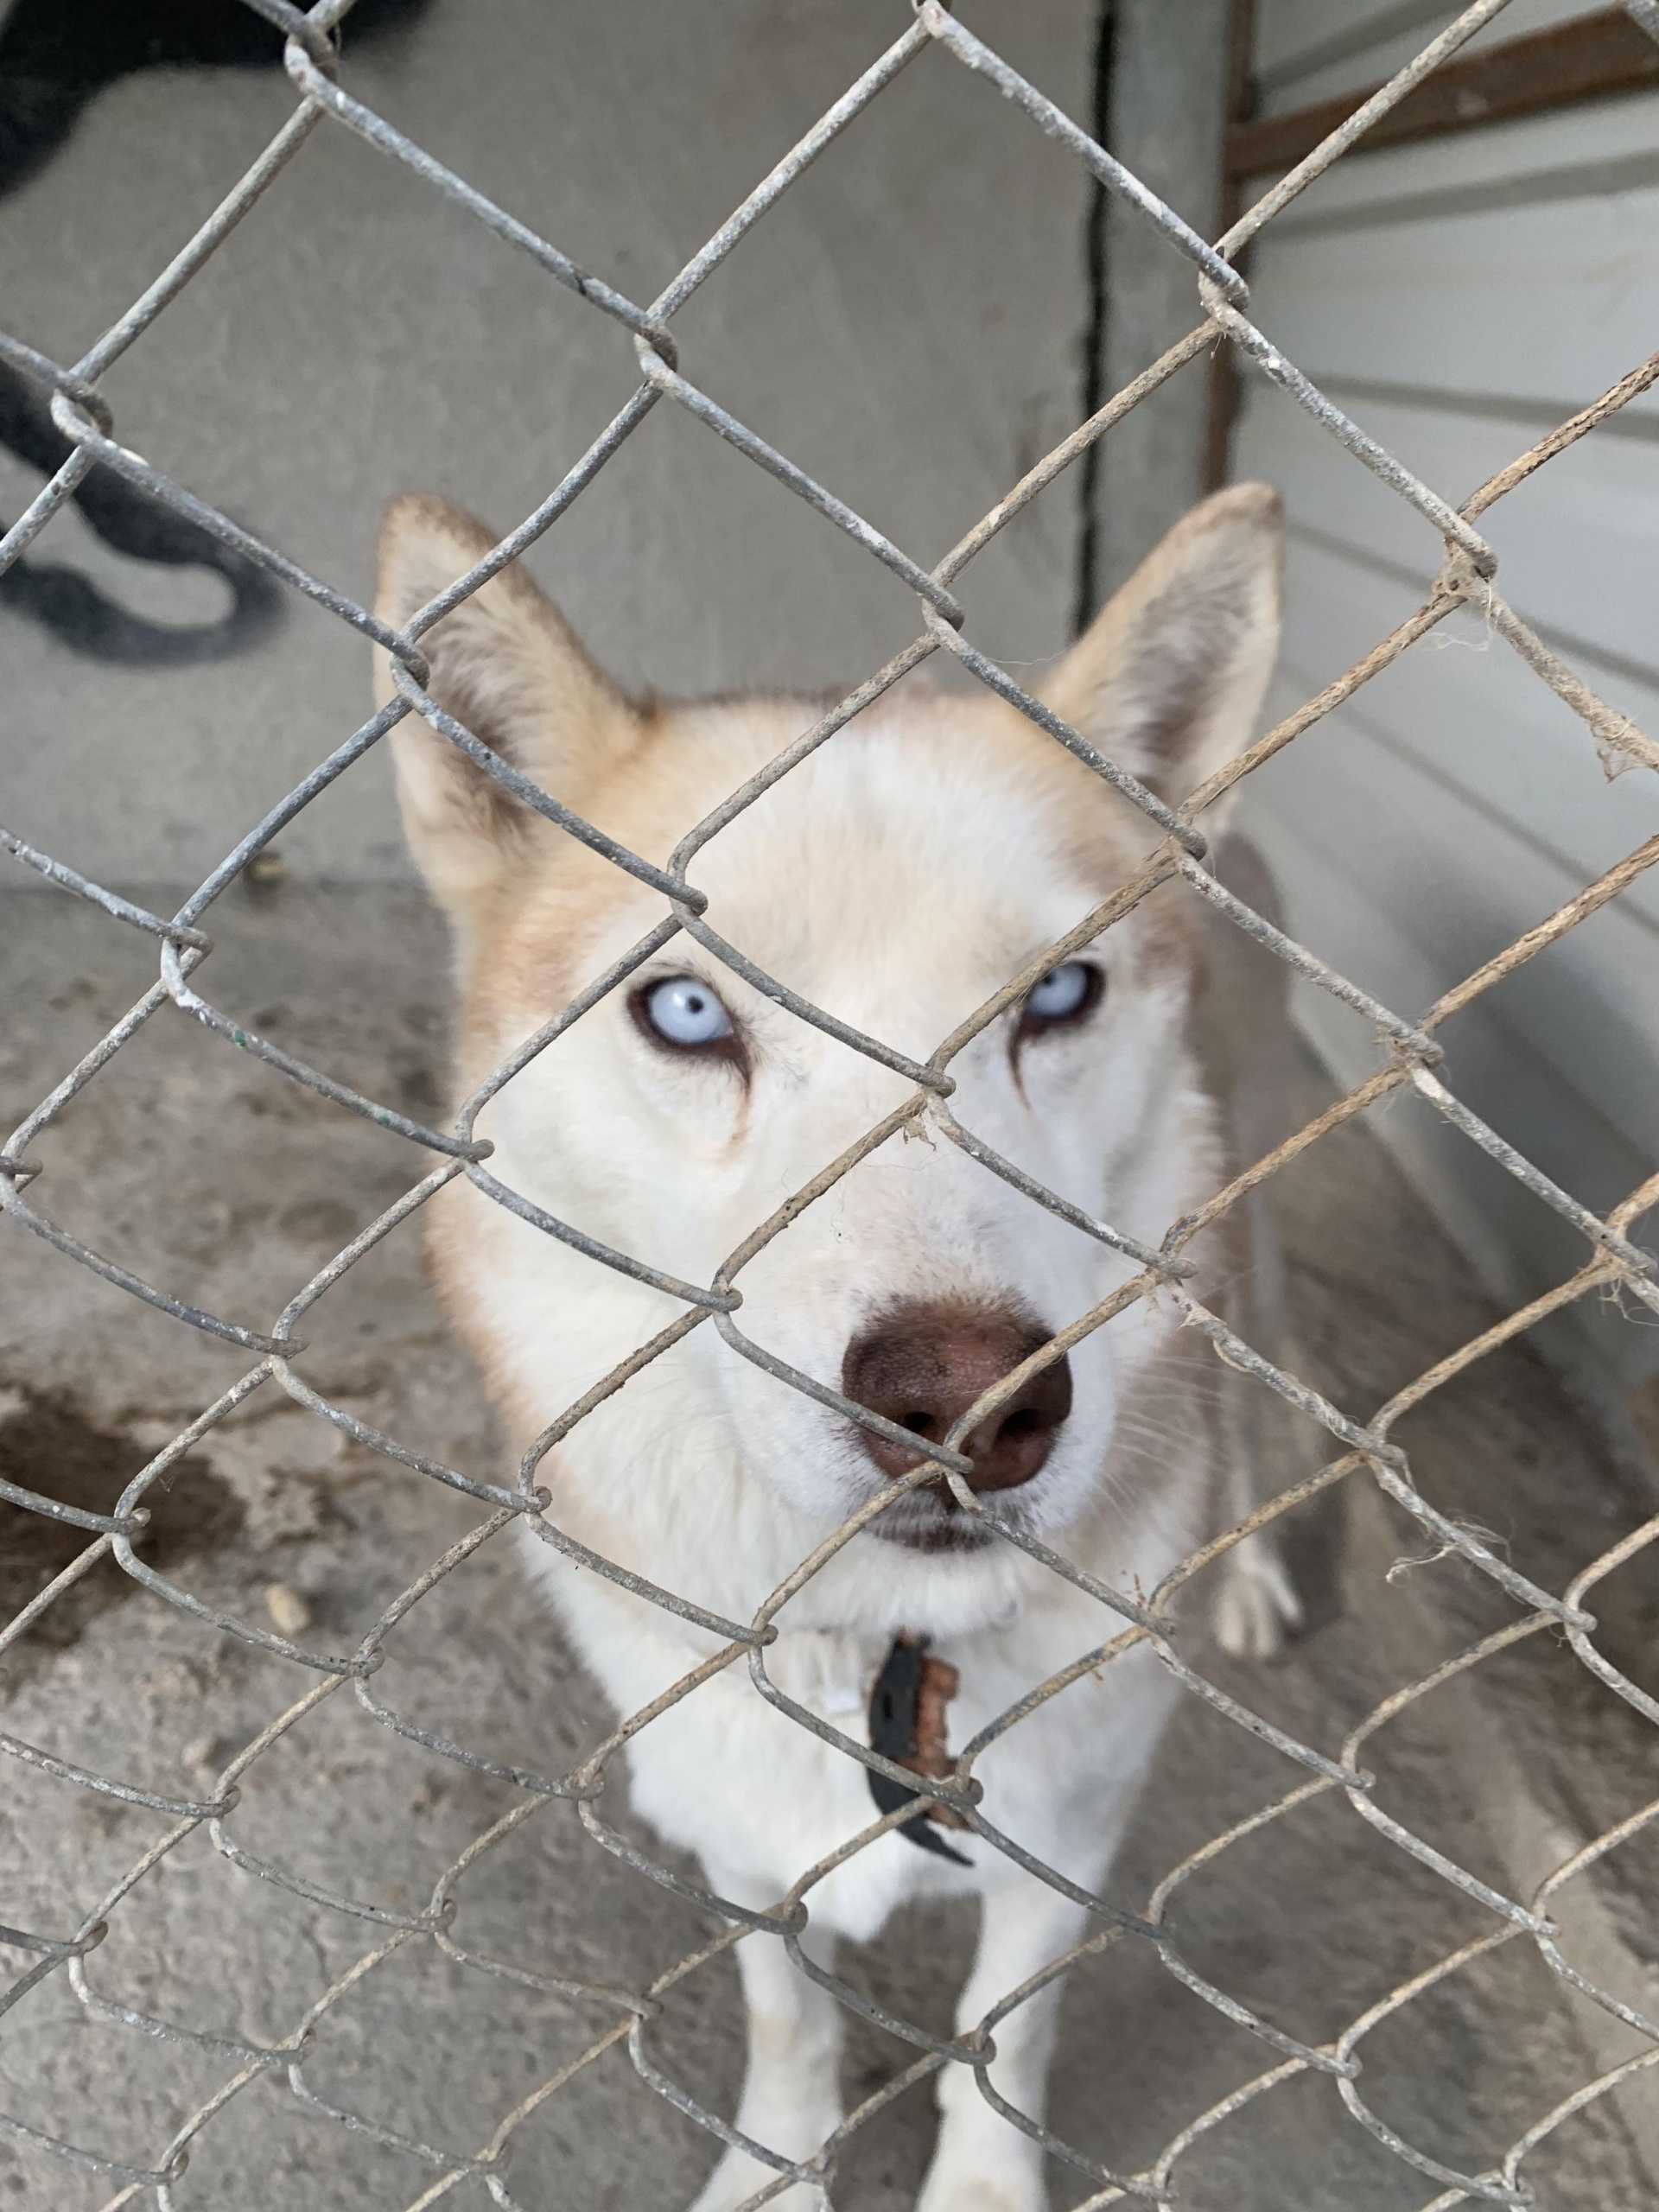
[1222,406]
[1089,563]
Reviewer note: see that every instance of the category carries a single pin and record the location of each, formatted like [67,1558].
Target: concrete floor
[223,1180]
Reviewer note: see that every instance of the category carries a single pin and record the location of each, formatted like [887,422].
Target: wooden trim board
[1590,58]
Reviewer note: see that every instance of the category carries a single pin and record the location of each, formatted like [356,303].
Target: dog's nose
[924,1365]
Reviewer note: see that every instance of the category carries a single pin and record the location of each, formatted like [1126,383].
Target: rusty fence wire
[1363,1449]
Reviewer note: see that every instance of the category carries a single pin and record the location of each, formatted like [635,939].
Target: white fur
[898,877]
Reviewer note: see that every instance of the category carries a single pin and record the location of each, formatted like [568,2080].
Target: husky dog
[898,877]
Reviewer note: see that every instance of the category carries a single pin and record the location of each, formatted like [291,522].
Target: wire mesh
[1363,1449]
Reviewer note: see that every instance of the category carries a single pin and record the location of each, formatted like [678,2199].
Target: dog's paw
[738,2176]
[982,2193]
[1257,1611]
[964,2180]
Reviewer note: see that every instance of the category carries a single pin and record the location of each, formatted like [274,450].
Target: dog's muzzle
[923,1365]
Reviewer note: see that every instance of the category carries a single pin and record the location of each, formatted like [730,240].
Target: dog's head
[898,878]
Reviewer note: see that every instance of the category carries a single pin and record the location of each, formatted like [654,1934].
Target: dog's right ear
[506,665]
[1170,676]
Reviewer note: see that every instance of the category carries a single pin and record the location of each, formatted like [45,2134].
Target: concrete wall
[906,325]
[1168,97]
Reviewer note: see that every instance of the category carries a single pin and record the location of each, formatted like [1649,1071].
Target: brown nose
[924,1365]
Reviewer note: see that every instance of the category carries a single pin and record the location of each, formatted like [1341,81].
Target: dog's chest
[828,1670]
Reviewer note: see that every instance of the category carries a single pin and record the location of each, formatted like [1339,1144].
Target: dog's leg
[1256,1608]
[792,2091]
[984,2163]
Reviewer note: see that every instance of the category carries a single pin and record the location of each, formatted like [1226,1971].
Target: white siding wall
[1458,297]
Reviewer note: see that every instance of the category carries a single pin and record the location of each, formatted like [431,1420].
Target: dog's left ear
[1169,678]
[508,667]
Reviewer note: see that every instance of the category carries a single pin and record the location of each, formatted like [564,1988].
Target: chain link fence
[1362,1449]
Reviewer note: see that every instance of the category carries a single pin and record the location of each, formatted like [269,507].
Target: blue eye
[684,1011]
[1064,993]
